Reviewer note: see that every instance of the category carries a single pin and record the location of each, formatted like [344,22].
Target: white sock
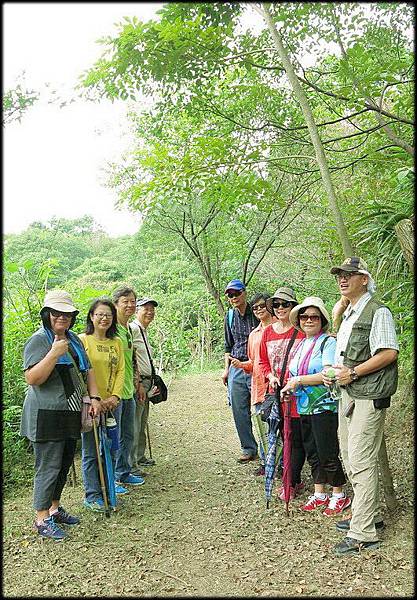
[338,495]
[320,495]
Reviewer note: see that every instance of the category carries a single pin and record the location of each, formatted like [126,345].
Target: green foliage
[16,102]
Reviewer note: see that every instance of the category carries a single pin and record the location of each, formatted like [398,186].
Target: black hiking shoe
[345,525]
[351,546]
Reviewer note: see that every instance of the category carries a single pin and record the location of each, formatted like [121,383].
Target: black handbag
[268,403]
[270,399]
[162,394]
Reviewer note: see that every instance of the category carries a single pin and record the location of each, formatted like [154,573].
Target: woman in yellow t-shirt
[106,356]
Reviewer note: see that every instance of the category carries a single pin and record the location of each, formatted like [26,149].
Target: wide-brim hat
[310,301]
[59,300]
[353,264]
[143,301]
[285,293]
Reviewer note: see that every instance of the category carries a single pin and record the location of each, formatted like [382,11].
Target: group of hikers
[335,389]
[110,365]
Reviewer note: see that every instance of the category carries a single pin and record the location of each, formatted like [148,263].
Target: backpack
[230,316]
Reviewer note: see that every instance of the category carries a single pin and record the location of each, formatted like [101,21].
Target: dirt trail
[199,526]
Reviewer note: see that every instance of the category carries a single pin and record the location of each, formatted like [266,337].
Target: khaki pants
[139,436]
[360,438]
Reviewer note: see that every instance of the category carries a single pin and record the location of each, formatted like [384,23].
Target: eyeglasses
[314,318]
[345,275]
[283,304]
[257,307]
[58,313]
[103,315]
[233,294]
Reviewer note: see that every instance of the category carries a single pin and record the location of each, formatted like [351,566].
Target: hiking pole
[100,471]
[148,437]
[73,475]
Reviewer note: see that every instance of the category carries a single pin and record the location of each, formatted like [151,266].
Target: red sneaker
[314,502]
[336,505]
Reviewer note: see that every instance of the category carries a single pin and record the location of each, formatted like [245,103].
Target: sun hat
[310,301]
[353,264]
[285,293]
[142,301]
[235,284]
[59,300]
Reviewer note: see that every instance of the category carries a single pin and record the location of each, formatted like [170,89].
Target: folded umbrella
[105,448]
[101,470]
[287,472]
[274,449]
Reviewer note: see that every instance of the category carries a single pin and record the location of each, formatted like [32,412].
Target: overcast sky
[53,160]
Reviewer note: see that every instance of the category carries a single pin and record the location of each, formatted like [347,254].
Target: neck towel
[75,345]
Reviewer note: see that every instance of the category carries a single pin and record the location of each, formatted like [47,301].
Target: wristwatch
[353,375]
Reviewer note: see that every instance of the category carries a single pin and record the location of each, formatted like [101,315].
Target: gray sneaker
[49,529]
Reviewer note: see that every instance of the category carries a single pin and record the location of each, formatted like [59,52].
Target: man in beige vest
[145,314]
[366,354]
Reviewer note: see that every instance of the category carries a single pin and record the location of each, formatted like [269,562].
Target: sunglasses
[129,342]
[283,304]
[345,275]
[58,313]
[257,307]
[233,294]
[314,318]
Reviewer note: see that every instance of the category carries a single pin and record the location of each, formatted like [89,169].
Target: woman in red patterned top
[272,351]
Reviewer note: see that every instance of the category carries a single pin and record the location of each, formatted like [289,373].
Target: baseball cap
[235,284]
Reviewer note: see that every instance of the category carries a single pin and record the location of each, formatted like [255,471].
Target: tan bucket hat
[285,293]
[59,300]
[310,301]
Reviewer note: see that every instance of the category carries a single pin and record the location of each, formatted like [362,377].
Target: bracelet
[95,398]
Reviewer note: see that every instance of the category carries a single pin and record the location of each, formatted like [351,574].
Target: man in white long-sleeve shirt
[145,314]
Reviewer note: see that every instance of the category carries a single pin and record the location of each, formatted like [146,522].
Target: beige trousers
[360,438]
[139,436]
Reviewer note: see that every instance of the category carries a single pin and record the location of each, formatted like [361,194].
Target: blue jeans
[238,383]
[89,468]
[125,417]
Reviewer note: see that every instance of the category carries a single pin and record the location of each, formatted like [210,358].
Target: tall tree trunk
[313,130]
[327,182]
[405,233]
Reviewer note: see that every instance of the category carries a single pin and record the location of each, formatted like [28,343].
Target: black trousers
[298,454]
[319,434]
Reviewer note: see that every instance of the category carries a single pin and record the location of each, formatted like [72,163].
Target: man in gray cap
[145,314]
[366,353]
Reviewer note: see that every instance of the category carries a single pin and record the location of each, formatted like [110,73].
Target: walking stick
[100,471]
[73,475]
[149,440]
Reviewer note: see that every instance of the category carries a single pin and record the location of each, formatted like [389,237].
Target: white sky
[53,159]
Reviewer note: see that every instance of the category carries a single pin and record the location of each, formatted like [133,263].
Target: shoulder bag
[162,394]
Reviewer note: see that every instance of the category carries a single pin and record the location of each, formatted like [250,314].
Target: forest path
[199,525]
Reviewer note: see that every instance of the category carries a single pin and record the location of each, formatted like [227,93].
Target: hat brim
[285,297]
[62,307]
[347,268]
[153,302]
[294,315]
